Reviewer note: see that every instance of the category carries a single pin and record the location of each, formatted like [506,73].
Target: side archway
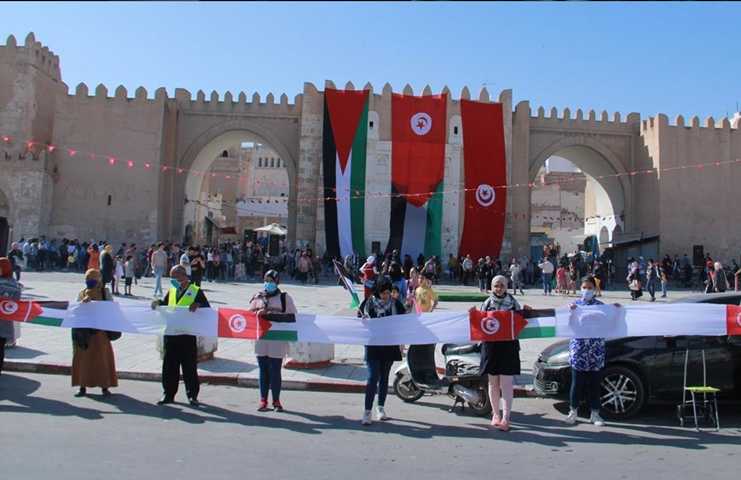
[210,144]
[613,189]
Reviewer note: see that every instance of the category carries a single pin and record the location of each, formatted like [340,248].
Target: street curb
[336,386]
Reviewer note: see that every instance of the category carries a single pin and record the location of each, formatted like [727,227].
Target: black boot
[81,392]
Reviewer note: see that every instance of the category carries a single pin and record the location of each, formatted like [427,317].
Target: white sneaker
[367,418]
[381,413]
[571,418]
[596,420]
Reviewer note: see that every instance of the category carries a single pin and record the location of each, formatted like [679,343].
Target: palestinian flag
[348,282]
[344,152]
[417,169]
[485,168]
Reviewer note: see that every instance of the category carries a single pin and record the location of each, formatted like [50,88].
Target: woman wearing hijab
[270,353]
[500,360]
[379,358]
[9,288]
[93,363]
[587,358]
[107,266]
[369,272]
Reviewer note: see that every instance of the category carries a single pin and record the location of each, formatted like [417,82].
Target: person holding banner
[181,350]
[587,358]
[93,362]
[500,360]
[270,353]
[379,358]
[9,288]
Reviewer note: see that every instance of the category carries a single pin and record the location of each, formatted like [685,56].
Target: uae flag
[485,167]
[344,151]
[417,169]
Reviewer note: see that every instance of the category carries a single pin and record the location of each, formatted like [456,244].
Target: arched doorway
[233,168]
[4,224]
[579,192]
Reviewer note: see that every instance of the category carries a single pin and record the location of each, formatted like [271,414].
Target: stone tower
[30,83]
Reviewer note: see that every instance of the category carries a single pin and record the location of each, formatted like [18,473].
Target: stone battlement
[662,120]
[387,91]
[33,53]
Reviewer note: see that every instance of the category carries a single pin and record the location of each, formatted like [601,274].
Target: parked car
[650,369]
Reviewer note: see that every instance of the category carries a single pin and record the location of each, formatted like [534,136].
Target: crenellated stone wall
[127,168]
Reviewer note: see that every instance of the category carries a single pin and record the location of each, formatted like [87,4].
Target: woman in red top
[93,262]
[369,272]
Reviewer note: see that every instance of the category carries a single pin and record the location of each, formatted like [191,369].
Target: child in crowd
[118,272]
[412,285]
[425,296]
[129,271]
[561,285]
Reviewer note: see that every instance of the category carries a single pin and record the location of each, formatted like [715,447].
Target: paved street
[48,433]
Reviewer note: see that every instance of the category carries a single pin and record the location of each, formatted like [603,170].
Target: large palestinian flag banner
[485,168]
[344,152]
[418,126]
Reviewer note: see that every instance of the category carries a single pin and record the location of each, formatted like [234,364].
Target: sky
[673,58]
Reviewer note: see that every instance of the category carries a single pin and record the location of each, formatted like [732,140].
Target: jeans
[651,287]
[663,289]
[269,376]
[158,272]
[578,380]
[547,282]
[378,380]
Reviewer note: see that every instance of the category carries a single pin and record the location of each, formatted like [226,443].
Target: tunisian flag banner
[417,169]
[485,168]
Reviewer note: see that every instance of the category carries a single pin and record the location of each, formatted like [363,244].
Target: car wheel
[622,393]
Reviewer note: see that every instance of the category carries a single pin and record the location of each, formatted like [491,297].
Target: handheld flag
[348,282]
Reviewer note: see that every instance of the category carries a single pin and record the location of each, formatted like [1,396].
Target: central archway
[606,177]
[207,147]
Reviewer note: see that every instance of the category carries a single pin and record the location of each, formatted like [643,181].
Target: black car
[649,370]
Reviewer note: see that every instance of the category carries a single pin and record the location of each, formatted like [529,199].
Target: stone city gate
[91,167]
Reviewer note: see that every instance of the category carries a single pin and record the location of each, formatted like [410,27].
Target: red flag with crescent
[495,325]
[18,310]
[241,324]
[733,320]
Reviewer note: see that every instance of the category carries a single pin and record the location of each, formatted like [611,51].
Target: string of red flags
[35,148]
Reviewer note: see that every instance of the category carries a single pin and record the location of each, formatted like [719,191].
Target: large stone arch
[8,206]
[607,172]
[208,145]
[7,210]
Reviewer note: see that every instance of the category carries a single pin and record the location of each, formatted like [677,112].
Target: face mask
[270,287]
[587,294]
[91,283]
[174,283]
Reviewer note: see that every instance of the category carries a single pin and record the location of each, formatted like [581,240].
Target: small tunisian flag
[496,325]
[733,320]
[18,310]
[241,324]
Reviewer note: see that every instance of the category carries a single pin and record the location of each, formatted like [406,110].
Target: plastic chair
[708,406]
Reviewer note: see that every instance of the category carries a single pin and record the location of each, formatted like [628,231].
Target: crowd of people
[392,286]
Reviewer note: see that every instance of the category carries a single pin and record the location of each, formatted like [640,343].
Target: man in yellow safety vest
[181,350]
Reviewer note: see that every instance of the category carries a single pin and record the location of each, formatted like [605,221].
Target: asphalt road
[46,433]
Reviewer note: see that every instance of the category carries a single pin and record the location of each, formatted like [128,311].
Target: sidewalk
[43,349]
